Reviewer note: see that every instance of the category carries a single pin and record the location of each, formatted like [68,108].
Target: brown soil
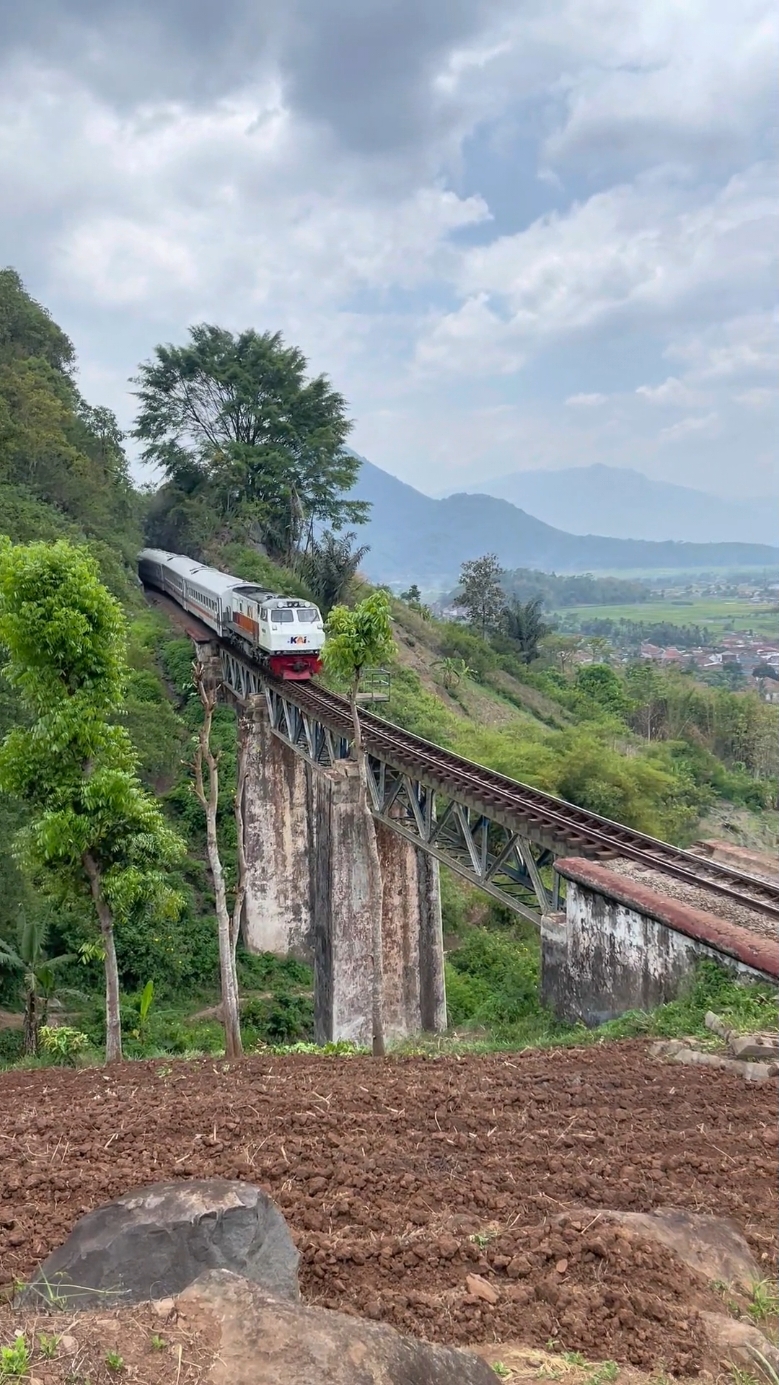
[98,1348]
[400,1178]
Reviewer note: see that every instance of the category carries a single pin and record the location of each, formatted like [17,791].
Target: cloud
[702,425]
[468,212]
[671,392]
[757,398]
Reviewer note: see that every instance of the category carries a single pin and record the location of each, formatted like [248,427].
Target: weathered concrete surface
[264,1341]
[414,990]
[343,962]
[277,841]
[154,1241]
[413,957]
[740,858]
[624,947]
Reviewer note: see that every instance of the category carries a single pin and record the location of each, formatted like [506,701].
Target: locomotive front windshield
[282,615]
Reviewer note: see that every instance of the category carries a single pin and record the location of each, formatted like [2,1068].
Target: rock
[154,1241]
[712,1246]
[758,1046]
[740,1343]
[262,1340]
[481,1288]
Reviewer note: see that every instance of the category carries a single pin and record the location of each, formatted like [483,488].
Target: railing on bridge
[375,685]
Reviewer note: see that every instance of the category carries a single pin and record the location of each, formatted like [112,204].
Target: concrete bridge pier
[413,970]
[277,841]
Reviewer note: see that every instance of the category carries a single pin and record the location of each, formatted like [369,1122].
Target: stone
[262,1340]
[519,1267]
[481,1288]
[711,1246]
[740,1343]
[154,1241]
[758,1046]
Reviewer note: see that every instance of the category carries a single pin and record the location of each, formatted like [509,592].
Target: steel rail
[582,831]
[585,832]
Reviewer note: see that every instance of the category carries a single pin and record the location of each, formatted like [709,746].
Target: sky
[514,233]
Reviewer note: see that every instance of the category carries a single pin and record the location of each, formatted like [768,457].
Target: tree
[482,595]
[235,416]
[327,567]
[92,832]
[525,625]
[603,686]
[355,640]
[413,596]
[228,922]
[38,974]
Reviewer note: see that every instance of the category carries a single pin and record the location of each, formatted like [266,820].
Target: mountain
[415,538]
[624,504]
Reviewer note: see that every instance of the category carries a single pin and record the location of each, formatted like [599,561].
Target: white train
[284,634]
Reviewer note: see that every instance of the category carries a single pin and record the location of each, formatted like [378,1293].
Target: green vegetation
[245,441]
[652,748]
[717,615]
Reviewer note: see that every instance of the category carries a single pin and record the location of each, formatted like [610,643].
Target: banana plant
[38,973]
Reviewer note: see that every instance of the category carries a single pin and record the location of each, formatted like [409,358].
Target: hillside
[624,504]
[63,474]
[414,538]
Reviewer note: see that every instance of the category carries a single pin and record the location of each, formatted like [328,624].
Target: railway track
[578,830]
[583,832]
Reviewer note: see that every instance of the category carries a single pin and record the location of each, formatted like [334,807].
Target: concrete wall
[277,840]
[620,946]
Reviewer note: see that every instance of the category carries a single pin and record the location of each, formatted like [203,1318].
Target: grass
[722,615]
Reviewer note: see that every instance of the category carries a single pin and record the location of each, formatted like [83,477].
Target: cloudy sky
[515,233]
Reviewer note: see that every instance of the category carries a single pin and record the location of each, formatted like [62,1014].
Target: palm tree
[38,975]
[524,624]
[328,566]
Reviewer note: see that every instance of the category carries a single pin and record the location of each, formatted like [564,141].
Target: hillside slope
[621,503]
[415,538]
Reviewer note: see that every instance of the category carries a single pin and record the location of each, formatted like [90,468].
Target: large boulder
[264,1341]
[712,1246]
[154,1241]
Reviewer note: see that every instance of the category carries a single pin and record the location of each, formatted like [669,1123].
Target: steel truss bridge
[501,835]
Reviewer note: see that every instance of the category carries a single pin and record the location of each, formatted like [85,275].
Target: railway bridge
[609,941]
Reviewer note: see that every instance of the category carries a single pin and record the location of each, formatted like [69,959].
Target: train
[283,634]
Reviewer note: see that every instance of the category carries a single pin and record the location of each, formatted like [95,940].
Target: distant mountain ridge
[621,503]
[415,538]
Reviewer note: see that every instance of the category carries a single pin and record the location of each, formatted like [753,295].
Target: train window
[308,614]
[282,615]
[264,613]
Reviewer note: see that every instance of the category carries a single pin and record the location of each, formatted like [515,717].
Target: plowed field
[401,1177]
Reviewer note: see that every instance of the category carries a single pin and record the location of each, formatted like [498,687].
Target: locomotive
[283,634]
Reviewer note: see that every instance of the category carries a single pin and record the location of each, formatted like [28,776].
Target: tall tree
[328,565]
[236,415]
[207,794]
[482,596]
[524,623]
[93,832]
[358,639]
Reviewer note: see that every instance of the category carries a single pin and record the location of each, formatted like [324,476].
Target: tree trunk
[31,1023]
[375,884]
[227,933]
[113,1019]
